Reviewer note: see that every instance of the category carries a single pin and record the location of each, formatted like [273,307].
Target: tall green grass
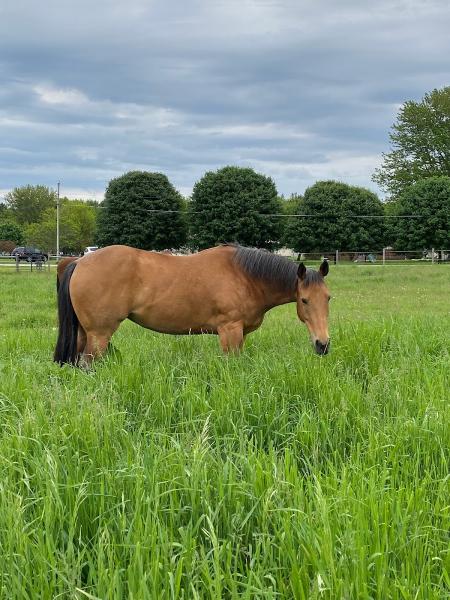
[171,471]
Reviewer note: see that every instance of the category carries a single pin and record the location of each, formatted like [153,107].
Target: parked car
[30,254]
[90,249]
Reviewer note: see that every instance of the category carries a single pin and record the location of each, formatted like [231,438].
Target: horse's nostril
[322,348]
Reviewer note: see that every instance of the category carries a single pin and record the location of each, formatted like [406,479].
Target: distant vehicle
[90,249]
[30,254]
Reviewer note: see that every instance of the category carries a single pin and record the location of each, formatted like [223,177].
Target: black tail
[66,346]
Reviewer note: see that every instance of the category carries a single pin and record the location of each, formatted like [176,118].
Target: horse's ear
[324,268]
[301,271]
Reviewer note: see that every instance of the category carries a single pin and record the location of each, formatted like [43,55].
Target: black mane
[279,270]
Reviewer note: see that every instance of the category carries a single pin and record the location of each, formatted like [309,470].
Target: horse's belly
[193,313]
[171,325]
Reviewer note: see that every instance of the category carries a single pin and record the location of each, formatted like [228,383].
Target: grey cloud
[298,90]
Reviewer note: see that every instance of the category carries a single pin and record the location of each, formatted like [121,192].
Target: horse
[61,267]
[62,264]
[225,290]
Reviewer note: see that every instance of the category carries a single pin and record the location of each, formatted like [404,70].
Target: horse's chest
[253,324]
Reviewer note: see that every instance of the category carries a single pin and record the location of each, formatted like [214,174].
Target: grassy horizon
[171,471]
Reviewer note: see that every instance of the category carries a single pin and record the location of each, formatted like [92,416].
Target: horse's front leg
[231,337]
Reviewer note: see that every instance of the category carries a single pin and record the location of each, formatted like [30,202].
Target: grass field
[174,472]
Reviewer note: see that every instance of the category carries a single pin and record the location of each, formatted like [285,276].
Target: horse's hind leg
[81,340]
[96,346]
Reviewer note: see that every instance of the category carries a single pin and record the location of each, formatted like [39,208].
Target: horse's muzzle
[322,348]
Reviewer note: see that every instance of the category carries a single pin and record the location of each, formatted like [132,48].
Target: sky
[298,90]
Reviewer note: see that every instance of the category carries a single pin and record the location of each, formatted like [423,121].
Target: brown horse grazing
[61,267]
[224,290]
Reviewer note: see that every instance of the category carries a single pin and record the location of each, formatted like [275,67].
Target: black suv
[29,254]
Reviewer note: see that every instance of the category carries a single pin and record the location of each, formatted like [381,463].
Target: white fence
[20,265]
[383,256]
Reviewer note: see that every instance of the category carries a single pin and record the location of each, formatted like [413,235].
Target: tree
[7,246]
[420,142]
[143,210]
[11,232]
[233,204]
[29,203]
[7,215]
[291,206]
[77,227]
[334,224]
[428,199]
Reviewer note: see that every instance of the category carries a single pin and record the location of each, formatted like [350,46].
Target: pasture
[171,471]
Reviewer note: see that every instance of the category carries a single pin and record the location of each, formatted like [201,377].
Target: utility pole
[57,224]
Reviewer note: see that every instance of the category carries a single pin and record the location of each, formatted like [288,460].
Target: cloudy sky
[299,90]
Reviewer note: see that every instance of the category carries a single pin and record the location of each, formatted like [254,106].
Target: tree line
[235,204]
[28,216]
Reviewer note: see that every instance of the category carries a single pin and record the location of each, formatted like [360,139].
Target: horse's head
[312,305]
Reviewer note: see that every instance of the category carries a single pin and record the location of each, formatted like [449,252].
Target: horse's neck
[272,296]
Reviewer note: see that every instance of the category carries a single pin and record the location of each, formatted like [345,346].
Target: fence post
[432,256]
[17,263]
[337,257]
[384,256]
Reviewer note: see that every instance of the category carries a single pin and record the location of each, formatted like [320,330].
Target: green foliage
[11,232]
[333,226]
[292,206]
[7,214]
[127,215]
[230,205]
[429,198]
[30,202]
[420,142]
[77,227]
[174,472]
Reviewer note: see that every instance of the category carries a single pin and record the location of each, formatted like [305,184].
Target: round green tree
[429,200]
[142,210]
[235,204]
[11,232]
[333,222]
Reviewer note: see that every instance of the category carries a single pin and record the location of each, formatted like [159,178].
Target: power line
[294,215]
[305,215]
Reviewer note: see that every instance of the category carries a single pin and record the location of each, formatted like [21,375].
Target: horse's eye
[305,301]
[329,298]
